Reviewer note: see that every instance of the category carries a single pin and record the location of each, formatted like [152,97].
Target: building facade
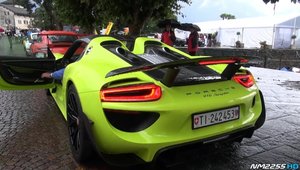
[14,16]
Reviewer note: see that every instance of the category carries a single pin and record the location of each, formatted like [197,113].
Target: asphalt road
[16,50]
[33,134]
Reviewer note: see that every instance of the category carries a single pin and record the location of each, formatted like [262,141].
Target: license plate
[215,117]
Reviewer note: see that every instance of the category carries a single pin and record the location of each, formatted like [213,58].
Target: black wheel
[239,140]
[48,93]
[80,142]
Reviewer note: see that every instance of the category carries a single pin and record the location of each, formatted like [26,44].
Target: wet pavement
[33,134]
[16,50]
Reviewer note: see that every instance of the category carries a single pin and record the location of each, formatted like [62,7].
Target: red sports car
[57,41]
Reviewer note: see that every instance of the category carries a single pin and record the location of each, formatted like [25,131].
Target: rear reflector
[132,93]
[246,80]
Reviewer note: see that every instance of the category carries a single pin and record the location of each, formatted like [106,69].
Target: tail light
[246,80]
[132,93]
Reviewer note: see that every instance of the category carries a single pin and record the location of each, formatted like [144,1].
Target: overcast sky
[208,10]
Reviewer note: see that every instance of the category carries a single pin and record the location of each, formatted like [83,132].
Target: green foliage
[274,1]
[151,27]
[92,14]
[80,12]
[48,12]
[132,13]
[136,13]
[227,16]
[41,19]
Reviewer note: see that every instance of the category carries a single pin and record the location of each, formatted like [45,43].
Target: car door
[18,73]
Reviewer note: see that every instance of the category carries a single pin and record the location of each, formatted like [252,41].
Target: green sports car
[132,101]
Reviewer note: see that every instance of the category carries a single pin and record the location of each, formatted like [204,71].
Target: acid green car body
[136,131]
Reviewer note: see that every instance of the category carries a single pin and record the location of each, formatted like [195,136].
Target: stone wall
[268,58]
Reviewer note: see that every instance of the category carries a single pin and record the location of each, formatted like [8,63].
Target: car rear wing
[58,33]
[233,65]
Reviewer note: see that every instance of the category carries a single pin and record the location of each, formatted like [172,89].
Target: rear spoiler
[60,44]
[59,33]
[233,66]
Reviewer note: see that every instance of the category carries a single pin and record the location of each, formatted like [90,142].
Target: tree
[84,13]
[49,9]
[223,16]
[41,19]
[230,17]
[274,1]
[227,16]
[137,12]
[151,27]
[132,13]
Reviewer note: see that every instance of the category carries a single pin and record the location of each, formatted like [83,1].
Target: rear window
[188,74]
[155,54]
[116,48]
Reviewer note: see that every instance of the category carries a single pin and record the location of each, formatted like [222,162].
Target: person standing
[168,36]
[9,34]
[193,42]
[209,38]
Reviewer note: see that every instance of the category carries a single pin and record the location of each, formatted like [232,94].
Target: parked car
[58,41]
[141,104]
[2,32]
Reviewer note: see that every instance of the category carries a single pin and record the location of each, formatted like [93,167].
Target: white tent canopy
[276,31]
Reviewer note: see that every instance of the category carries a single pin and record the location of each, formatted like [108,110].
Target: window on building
[19,22]
[4,13]
[26,22]
[7,21]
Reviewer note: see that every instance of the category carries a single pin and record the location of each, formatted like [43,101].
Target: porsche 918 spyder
[131,106]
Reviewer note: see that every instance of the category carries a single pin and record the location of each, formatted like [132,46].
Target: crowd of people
[168,37]
[16,35]
[193,41]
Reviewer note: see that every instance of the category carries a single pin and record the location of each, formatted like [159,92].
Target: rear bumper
[127,158]
[175,153]
[169,152]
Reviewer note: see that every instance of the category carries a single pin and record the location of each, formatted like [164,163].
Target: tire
[80,143]
[238,140]
[48,93]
